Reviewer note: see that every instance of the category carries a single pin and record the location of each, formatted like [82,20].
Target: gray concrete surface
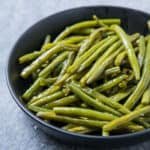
[16,131]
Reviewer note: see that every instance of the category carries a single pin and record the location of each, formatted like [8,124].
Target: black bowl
[132,21]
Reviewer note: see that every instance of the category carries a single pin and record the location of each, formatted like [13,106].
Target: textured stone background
[16,131]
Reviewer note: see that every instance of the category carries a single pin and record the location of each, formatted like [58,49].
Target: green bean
[130,50]
[129,128]
[77,76]
[66,119]
[105,133]
[44,65]
[108,33]
[61,80]
[33,55]
[68,126]
[78,62]
[33,88]
[100,50]
[82,112]
[148,24]
[143,122]
[46,47]
[47,82]
[134,37]
[48,99]
[81,129]
[44,57]
[91,123]
[74,39]
[142,50]
[99,22]
[82,25]
[67,63]
[69,40]
[115,105]
[123,54]
[146,38]
[57,69]
[123,84]
[146,96]
[46,92]
[147,119]
[88,130]
[122,94]
[84,31]
[103,99]
[143,83]
[47,70]
[29,57]
[88,42]
[111,83]
[47,40]
[62,102]
[120,58]
[126,119]
[96,71]
[112,71]
[83,105]
[37,109]
[91,101]
[139,106]
[134,128]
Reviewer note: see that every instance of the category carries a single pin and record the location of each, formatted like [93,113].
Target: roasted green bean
[100,50]
[85,31]
[82,112]
[130,51]
[82,129]
[47,82]
[143,83]
[78,62]
[142,50]
[48,99]
[146,97]
[122,94]
[88,42]
[112,71]
[125,119]
[115,105]
[63,101]
[48,69]
[91,101]
[44,57]
[96,71]
[111,83]
[30,92]
[37,109]
[66,119]
[84,24]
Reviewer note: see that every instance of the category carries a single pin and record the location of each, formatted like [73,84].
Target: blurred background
[17,132]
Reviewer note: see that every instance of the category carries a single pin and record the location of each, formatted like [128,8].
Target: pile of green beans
[94,78]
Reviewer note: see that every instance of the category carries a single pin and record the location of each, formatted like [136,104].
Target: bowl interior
[132,20]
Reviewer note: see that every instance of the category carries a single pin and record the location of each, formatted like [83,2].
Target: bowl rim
[43,123]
